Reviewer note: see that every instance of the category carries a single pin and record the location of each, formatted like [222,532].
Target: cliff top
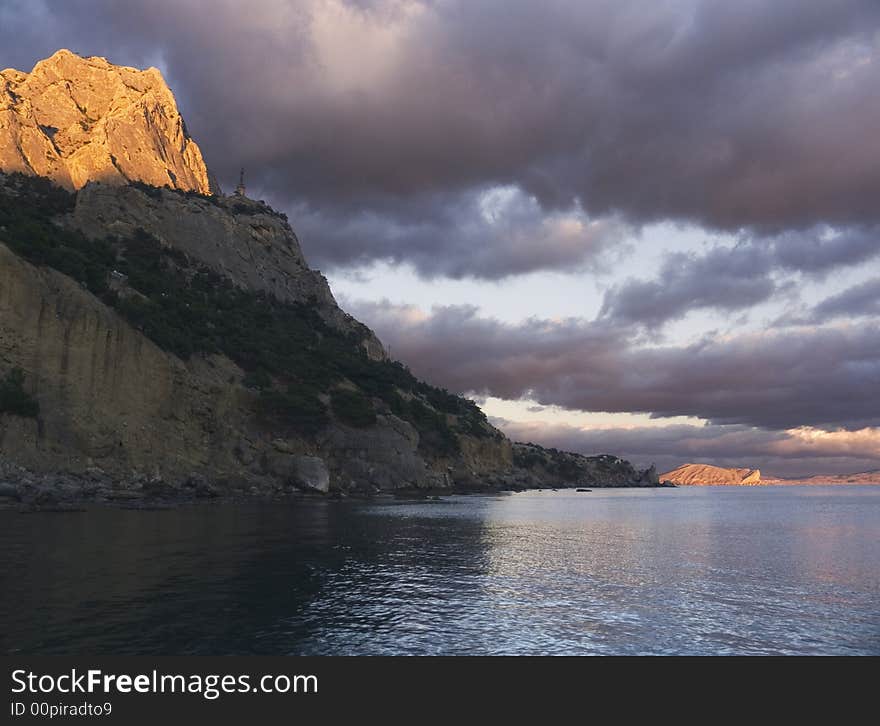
[75,120]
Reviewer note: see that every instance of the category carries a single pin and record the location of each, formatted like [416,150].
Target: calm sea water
[701,570]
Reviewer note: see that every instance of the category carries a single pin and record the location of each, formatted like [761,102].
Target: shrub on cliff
[298,407]
[258,379]
[26,227]
[14,399]
[435,435]
[353,408]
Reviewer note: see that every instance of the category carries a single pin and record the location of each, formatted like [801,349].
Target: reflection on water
[770,570]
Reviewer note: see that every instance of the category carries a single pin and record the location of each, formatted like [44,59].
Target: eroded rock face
[76,120]
[384,456]
[108,394]
[111,399]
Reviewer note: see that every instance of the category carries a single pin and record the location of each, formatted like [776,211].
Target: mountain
[706,475]
[76,120]
[161,340]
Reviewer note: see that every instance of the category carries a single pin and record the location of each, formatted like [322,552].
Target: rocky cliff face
[113,402]
[109,396]
[76,120]
[242,239]
[117,406]
[123,417]
[705,475]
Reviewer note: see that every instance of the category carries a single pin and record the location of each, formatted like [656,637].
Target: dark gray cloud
[821,249]
[490,235]
[757,115]
[825,377]
[857,301]
[775,453]
[722,278]
[738,277]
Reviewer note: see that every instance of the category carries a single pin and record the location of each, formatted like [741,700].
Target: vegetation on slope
[568,466]
[353,407]
[289,353]
[14,399]
[237,207]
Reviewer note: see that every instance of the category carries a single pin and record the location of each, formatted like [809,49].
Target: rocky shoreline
[27,491]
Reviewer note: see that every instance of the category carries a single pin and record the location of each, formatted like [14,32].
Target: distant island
[708,475]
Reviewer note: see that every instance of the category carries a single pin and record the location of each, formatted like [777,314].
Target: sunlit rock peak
[77,120]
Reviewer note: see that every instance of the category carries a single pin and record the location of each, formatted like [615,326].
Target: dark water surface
[699,570]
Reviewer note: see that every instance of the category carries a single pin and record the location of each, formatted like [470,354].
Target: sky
[643,228]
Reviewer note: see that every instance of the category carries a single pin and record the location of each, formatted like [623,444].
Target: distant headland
[708,475]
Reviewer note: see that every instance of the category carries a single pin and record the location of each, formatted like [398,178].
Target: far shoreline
[85,504]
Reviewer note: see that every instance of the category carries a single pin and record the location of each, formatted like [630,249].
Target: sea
[699,570]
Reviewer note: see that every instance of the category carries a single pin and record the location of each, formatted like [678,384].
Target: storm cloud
[857,301]
[823,377]
[497,233]
[757,116]
[741,276]
[723,278]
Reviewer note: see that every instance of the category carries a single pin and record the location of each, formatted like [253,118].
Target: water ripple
[770,571]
